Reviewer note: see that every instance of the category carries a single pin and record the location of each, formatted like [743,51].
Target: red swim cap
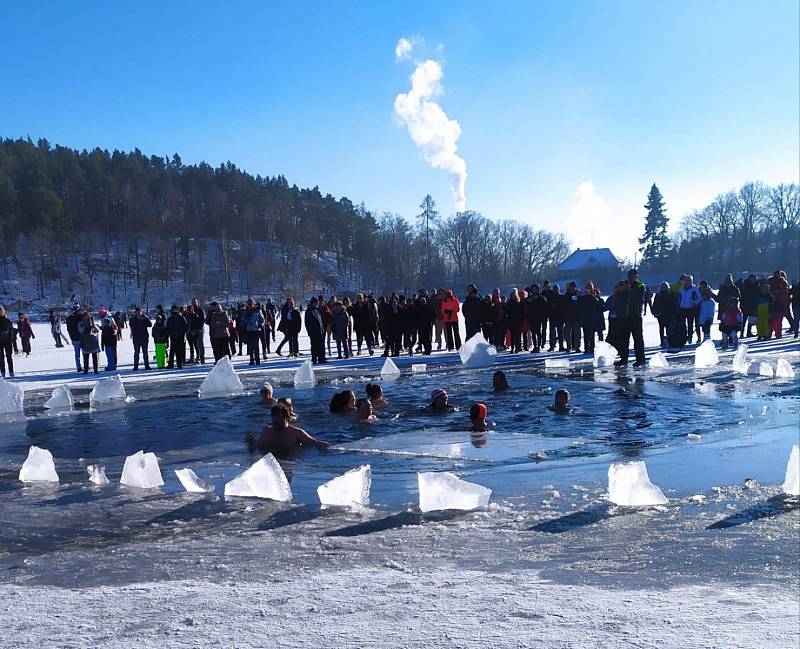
[478,411]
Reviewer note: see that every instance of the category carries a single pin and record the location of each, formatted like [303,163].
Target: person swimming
[287,401]
[561,402]
[375,395]
[344,401]
[365,412]
[266,395]
[439,400]
[281,438]
[499,381]
[477,416]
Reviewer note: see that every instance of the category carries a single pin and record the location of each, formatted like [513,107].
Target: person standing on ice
[473,311]
[281,438]
[688,300]
[139,325]
[55,327]
[160,340]
[730,324]
[339,322]
[253,325]
[424,318]
[272,311]
[200,327]
[706,310]
[450,309]
[108,338]
[630,320]
[74,335]
[664,306]
[176,329]
[89,343]
[316,331]
[25,333]
[6,347]
[749,290]
[218,331]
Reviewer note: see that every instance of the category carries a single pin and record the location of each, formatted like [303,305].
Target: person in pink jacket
[450,309]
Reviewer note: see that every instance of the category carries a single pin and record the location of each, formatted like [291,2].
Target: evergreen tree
[654,244]
[427,216]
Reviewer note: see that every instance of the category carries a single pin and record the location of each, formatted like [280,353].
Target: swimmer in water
[281,438]
[375,395]
[439,401]
[365,412]
[266,395]
[344,401]
[561,402]
[287,401]
[499,381]
[477,416]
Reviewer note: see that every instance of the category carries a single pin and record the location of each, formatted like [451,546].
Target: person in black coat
[315,331]
[572,325]
[6,345]
[556,315]
[424,317]
[536,308]
[394,328]
[590,316]
[74,335]
[177,327]
[665,308]
[472,308]
[514,314]
[139,325]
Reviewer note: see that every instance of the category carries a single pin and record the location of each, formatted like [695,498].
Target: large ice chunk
[476,352]
[740,362]
[108,392]
[765,369]
[390,369]
[304,376]
[221,381]
[348,490]
[556,363]
[418,368]
[791,485]
[706,355]
[192,482]
[604,354]
[141,471]
[659,361]
[38,467]
[447,491]
[60,399]
[97,474]
[784,370]
[630,486]
[264,479]
[12,398]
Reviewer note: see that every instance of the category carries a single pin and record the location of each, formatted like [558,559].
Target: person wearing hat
[477,417]
[108,338]
[266,395]
[439,401]
[139,325]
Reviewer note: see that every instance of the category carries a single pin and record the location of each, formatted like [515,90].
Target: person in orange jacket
[450,309]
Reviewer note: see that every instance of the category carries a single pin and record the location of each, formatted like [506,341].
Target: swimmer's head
[561,399]
[287,402]
[343,401]
[280,416]
[364,409]
[478,412]
[266,391]
[439,399]
[499,381]
[374,391]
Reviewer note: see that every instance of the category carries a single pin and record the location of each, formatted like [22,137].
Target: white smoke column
[589,221]
[434,133]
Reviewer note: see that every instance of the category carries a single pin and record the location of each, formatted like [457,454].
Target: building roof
[588,259]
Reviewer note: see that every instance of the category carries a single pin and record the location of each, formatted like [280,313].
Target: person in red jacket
[450,309]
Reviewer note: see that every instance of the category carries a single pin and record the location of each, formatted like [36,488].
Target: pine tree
[428,215]
[654,244]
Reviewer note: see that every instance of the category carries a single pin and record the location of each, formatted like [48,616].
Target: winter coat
[571,306]
[590,312]
[72,326]
[424,315]
[664,304]
[291,322]
[450,309]
[472,309]
[6,331]
[339,322]
[139,326]
[218,322]
[724,295]
[88,332]
[177,326]
[688,298]
[515,312]
[253,321]
[25,330]
[108,331]
[160,333]
[557,307]
[750,292]
[536,308]
[707,309]
[313,321]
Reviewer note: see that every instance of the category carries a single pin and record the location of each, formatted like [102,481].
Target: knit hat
[438,393]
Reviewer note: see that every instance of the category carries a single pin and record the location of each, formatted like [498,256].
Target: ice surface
[556,362]
[107,392]
[740,362]
[706,355]
[264,479]
[630,486]
[390,370]
[141,470]
[476,352]
[222,380]
[97,474]
[38,467]
[304,376]
[447,491]
[192,482]
[659,361]
[791,485]
[765,369]
[12,397]
[418,368]
[784,370]
[348,490]
[604,354]
[61,399]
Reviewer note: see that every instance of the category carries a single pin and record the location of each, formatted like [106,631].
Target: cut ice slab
[765,369]
[304,376]
[784,370]
[390,370]
[264,479]
[192,482]
[61,399]
[97,474]
[740,362]
[706,355]
[348,490]
[604,354]
[630,486]
[659,361]
[222,380]
[554,363]
[791,485]
[438,491]
[108,391]
[38,467]
[141,471]
[418,368]
[12,397]
[476,352]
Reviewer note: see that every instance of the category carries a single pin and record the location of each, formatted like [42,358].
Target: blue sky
[568,110]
